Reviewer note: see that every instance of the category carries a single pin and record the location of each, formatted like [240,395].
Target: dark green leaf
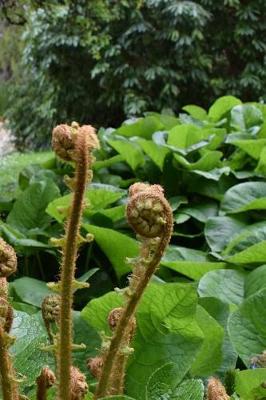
[167,331]
[247,328]
[226,285]
[244,197]
[29,209]
[220,230]
[209,358]
[116,246]
[31,291]
[189,262]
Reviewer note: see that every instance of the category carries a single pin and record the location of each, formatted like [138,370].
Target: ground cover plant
[202,315]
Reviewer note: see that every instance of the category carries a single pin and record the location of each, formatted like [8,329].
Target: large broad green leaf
[167,331]
[246,116]
[13,164]
[253,234]
[167,120]
[219,231]
[255,254]
[31,336]
[20,241]
[191,389]
[29,209]
[28,357]
[189,262]
[201,212]
[130,151]
[155,152]
[226,285]
[250,384]
[255,281]
[184,136]
[207,162]
[162,385]
[115,213]
[244,197]
[96,311]
[261,167]
[220,311]
[162,382]
[209,188]
[214,174]
[97,198]
[31,291]
[247,327]
[251,146]
[221,106]
[84,334]
[143,127]
[116,246]
[196,112]
[209,358]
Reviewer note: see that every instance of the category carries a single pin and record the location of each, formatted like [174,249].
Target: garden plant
[165,217]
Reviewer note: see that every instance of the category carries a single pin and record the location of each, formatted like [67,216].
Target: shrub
[106,60]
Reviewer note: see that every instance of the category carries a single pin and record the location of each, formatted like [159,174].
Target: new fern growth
[150,215]
[71,144]
[8,265]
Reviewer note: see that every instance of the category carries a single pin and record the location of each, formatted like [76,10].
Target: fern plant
[150,215]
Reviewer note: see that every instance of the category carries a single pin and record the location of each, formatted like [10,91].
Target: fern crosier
[73,144]
[8,265]
[150,215]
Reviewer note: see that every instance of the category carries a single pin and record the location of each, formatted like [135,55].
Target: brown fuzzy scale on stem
[95,365]
[150,215]
[80,154]
[3,288]
[6,315]
[63,141]
[8,265]
[216,390]
[8,379]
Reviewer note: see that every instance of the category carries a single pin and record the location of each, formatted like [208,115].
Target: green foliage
[102,61]
[203,314]
[167,331]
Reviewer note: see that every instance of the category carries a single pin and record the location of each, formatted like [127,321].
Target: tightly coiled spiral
[148,212]
[64,140]
[95,366]
[47,378]
[51,308]
[78,386]
[8,259]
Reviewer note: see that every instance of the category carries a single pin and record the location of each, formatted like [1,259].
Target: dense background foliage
[209,295]
[105,60]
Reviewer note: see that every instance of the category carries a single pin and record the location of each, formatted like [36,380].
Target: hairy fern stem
[64,359]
